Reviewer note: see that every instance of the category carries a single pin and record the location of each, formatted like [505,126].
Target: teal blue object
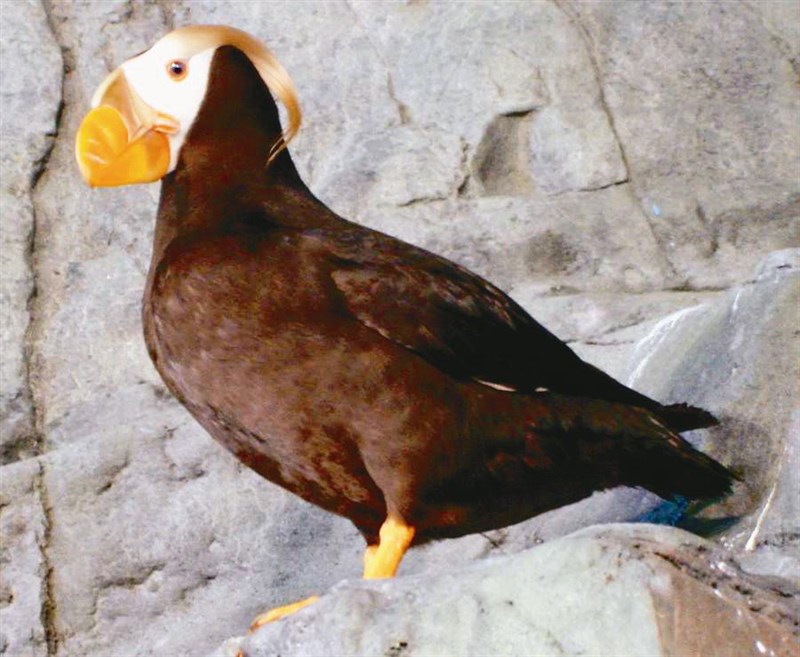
[669,512]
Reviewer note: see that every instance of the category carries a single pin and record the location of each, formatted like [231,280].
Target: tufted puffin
[370,377]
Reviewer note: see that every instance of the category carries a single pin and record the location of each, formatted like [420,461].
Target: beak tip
[107,157]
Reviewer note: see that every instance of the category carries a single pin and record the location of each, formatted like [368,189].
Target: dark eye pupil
[176,68]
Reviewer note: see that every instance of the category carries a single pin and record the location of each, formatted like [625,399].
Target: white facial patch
[149,77]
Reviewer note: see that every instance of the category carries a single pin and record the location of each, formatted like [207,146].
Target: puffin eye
[177,69]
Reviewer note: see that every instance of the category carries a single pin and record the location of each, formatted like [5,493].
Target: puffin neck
[236,128]
[220,199]
[222,172]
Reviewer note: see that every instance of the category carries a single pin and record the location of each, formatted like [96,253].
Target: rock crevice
[49,599]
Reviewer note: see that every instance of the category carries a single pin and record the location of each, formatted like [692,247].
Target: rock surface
[648,591]
[739,358]
[31,104]
[613,168]
[24,526]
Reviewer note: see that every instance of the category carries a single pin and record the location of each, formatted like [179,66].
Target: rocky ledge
[612,590]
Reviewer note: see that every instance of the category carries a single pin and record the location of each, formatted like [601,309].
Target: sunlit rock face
[610,590]
[628,179]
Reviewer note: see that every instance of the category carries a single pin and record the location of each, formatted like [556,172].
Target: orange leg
[380,561]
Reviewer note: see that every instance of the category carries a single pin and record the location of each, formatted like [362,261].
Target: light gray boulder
[740,358]
[710,134]
[614,590]
[24,567]
[30,104]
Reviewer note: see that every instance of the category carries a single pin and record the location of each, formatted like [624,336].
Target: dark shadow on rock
[753,455]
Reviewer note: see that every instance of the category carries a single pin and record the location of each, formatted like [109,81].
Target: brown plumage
[369,376]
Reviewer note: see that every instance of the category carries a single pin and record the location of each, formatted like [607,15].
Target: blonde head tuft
[193,39]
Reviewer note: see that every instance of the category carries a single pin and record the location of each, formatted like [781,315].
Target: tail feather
[618,444]
[595,383]
[682,417]
[673,467]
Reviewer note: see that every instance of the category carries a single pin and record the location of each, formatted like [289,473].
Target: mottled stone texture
[31,73]
[23,580]
[614,590]
[624,170]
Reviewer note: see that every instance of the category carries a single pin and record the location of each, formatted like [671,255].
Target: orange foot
[380,561]
[277,614]
[281,612]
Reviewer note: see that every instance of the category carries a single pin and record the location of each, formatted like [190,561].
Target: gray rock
[647,590]
[90,269]
[520,243]
[396,168]
[711,139]
[30,67]
[564,157]
[740,358]
[24,572]
[17,433]
[782,20]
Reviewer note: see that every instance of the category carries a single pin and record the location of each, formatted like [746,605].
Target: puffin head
[143,111]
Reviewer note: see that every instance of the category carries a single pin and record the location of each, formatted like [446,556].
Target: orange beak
[123,140]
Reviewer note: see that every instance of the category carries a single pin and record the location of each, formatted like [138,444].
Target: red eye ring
[177,69]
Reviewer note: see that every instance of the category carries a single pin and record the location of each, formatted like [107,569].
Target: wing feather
[448,315]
